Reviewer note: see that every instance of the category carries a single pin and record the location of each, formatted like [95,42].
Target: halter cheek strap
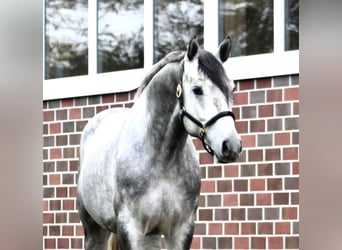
[203,127]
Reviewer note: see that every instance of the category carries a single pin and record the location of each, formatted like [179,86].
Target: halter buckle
[179,90]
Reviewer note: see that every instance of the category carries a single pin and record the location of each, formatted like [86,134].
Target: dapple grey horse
[139,173]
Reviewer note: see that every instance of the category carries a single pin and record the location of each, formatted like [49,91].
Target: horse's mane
[175,56]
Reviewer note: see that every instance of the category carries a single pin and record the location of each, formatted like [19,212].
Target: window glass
[174,22]
[291,24]
[66,38]
[120,35]
[249,24]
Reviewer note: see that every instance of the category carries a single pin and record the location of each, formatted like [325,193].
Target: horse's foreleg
[181,239]
[95,236]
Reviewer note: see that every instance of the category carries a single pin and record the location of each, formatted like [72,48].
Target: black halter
[203,127]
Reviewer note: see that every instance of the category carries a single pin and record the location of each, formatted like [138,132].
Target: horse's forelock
[213,69]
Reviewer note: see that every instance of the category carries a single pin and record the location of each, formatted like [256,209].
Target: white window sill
[238,68]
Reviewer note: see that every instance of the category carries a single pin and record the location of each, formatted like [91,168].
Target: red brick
[215,229]
[108,98]
[68,205]
[240,185]
[79,230]
[296,108]
[63,243]
[264,199]
[209,242]
[265,228]
[67,102]
[291,94]
[122,97]
[272,154]
[292,242]
[246,84]
[290,153]
[54,230]
[282,138]
[241,243]
[215,172]
[61,217]
[231,228]
[236,111]
[198,144]
[230,200]
[54,179]
[283,228]
[224,186]
[263,83]
[231,171]
[55,153]
[72,192]
[290,213]
[48,218]
[281,199]
[242,127]
[265,169]
[241,98]
[274,95]
[101,108]
[196,243]
[238,214]
[206,158]
[257,184]
[55,128]
[255,155]
[48,116]
[68,153]
[45,205]
[76,243]
[258,243]
[205,214]
[75,113]
[265,110]
[246,199]
[248,228]
[275,184]
[49,243]
[248,141]
[257,126]
[67,230]
[207,186]
[295,167]
[275,242]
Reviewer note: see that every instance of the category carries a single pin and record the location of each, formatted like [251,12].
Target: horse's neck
[165,131]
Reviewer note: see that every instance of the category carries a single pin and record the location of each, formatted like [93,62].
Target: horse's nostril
[225,147]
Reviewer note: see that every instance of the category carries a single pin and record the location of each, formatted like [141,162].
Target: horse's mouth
[233,157]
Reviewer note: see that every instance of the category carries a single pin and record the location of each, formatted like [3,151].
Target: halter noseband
[203,127]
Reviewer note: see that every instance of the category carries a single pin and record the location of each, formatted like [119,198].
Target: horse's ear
[192,48]
[224,49]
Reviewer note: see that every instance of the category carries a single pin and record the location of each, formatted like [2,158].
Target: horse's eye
[197,90]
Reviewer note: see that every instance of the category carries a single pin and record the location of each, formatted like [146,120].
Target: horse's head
[205,98]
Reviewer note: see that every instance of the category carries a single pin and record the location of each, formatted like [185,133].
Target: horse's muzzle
[231,150]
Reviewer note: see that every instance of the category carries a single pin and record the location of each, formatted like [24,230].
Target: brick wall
[251,204]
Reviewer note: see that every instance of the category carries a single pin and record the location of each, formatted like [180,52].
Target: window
[66,29]
[120,35]
[292,24]
[97,47]
[174,22]
[250,25]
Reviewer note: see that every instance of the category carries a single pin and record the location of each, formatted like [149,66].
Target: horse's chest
[167,202]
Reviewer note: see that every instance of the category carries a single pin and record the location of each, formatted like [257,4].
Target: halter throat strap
[203,126]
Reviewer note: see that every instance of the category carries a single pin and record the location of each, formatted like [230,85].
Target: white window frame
[280,62]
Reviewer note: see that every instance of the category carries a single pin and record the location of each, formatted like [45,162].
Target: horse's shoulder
[104,119]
